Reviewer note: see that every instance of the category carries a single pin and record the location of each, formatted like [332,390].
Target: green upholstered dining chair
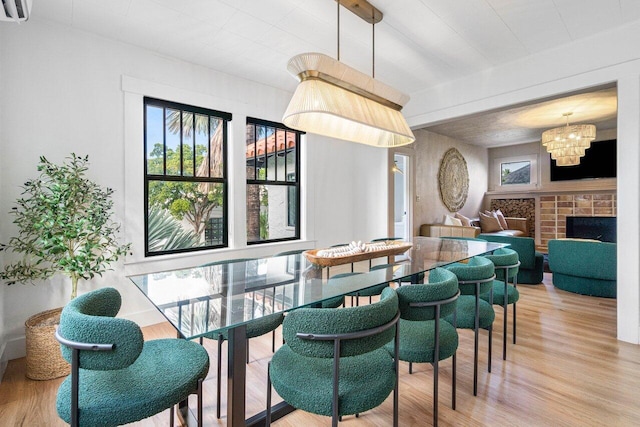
[506,265]
[384,239]
[372,291]
[334,362]
[336,302]
[472,312]
[117,377]
[424,336]
[255,329]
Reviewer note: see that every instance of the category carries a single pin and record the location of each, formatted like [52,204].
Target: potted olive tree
[64,226]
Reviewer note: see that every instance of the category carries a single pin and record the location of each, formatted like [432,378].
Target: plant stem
[74,286]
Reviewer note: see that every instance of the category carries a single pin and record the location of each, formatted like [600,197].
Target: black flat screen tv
[601,228]
[599,161]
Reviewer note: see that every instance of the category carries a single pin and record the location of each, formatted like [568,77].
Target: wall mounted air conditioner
[15,10]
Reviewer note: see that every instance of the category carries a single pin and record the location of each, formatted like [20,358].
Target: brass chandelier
[335,100]
[568,143]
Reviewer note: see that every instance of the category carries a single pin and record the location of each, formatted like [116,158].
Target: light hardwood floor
[567,369]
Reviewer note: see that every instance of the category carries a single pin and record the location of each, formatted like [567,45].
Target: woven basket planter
[44,360]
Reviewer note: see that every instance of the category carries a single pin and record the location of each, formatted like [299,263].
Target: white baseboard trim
[15,348]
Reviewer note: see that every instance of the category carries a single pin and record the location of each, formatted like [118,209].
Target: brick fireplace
[547,213]
[554,210]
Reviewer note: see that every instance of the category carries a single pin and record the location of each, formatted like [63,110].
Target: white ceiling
[418,44]
[525,123]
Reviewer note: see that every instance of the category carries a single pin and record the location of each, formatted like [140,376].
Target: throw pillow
[449,220]
[463,219]
[489,223]
[503,222]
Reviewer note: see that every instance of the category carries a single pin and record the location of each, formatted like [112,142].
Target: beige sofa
[441,230]
[518,227]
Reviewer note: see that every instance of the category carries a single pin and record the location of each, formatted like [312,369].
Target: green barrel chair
[117,377]
[506,265]
[255,329]
[334,362]
[472,312]
[425,337]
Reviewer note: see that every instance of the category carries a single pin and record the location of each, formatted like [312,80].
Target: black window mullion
[164,141]
[275,151]
[193,142]
[255,151]
[286,153]
[225,186]
[181,142]
[209,165]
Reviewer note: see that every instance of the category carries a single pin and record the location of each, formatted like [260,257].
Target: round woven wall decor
[453,180]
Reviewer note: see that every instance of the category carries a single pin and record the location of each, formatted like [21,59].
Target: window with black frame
[273,182]
[185,177]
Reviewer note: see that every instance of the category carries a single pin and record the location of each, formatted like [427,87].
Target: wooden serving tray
[400,247]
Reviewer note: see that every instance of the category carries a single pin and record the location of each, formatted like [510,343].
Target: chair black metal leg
[436,358]
[504,320]
[267,421]
[514,322]
[490,342]
[220,339]
[476,327]
[453,384]
[200,421]
[171,416]
[247,352]
[273,341]
[410,367]
[435,392]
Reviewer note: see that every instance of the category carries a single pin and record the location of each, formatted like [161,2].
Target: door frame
[410,188]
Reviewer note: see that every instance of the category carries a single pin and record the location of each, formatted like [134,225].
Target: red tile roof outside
[270,143]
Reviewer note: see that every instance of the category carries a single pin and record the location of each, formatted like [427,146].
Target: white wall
[612,56]
[429,150]
[66,91]
[3,208]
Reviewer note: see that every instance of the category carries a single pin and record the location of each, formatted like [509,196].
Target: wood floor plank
[567,369]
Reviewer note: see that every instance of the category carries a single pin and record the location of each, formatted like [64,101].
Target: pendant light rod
[373,50]
[338,58]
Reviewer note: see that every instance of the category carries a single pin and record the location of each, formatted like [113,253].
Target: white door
[401,209]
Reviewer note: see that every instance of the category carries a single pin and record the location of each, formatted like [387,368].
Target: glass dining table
[227,296]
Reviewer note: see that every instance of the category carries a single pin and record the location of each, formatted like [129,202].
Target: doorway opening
[401,208]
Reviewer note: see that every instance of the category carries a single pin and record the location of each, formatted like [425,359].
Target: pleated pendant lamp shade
[338,101]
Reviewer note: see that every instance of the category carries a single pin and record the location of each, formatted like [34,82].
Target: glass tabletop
[210,298]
